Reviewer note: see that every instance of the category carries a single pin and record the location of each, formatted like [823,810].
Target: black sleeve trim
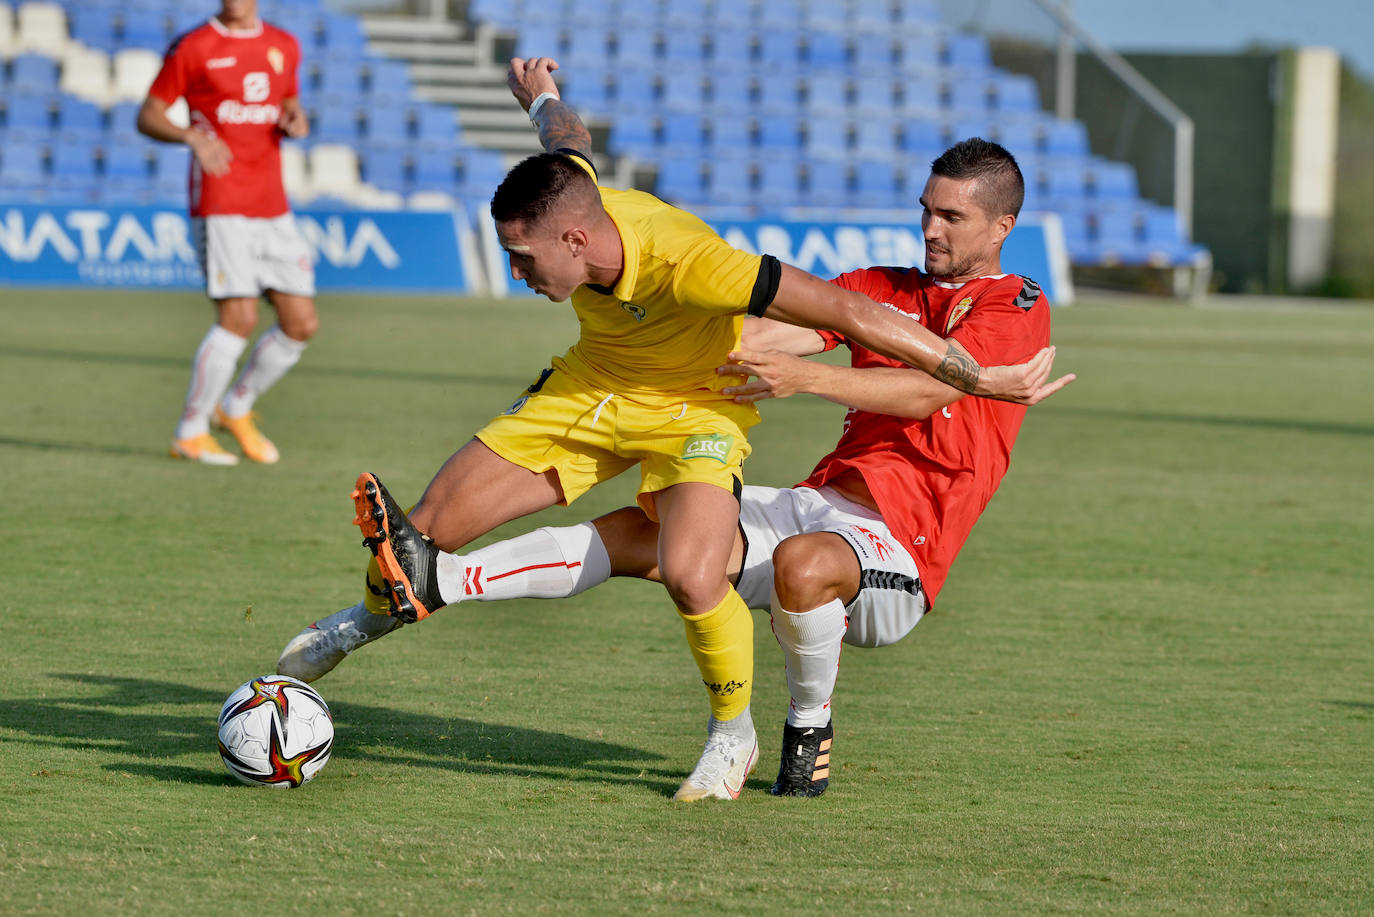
[766,286]
[569,151]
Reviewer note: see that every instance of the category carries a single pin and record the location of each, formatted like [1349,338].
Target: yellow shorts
[588,436]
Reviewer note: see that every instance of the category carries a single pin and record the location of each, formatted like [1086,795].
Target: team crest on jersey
[637,311]
[708,446]
[958,312]
[276,59]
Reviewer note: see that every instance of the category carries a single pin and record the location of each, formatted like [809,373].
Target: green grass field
[1147,688]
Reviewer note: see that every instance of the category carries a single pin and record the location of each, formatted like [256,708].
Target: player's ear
[1004,225]
[575,238]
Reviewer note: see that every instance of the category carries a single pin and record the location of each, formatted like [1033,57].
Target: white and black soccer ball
[275,731]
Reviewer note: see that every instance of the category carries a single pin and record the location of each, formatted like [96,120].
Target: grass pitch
[1147,686]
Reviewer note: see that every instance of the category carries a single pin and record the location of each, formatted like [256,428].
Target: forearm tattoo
[958,369]
[561,129]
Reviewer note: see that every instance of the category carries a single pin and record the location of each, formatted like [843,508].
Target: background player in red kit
[857,552]
[238,76]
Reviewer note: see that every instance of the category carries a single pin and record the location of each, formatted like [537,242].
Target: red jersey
[234,82]
[932,478]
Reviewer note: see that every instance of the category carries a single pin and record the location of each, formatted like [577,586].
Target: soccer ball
[275,731]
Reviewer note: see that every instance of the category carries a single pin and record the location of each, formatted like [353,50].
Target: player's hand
[776,375]
[1025,383]
[210,151]
[294,123]
[529,79]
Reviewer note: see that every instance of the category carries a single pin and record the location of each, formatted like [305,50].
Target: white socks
[274,354]
[211,371]
[548,563]
[811,643]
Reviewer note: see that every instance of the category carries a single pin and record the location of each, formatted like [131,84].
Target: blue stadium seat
[334,123]
[144,30]
[827,50]
[732,47]
[923,135]
[74,162]
[779,181]
[827,137]
[683,91]
[729,134]
[21,166]
[1115,238]
[342,34]
[916,173]
[632,137]
[781,132]
[1021,139]
[121,120]
[729,181]
[171,160]
[635,93]
[481,171]
[1112,180]
[301,21]
[920,99]
[79,121]
[339,79]
[638,45]
[1062,182]
[497,12]
[433,168]
[126,160]
[680,180]
[93,27]
[1163,239]
[871,16]
[585,43]
[825,96]
[385,168]
[387,125]
[875,184]
[388,81]
[967,52]
[875,137]
[685,14]
[918,11]
[1065,138]
[684,133]
[28,111]
[1015,93]
[436,124]
[779,93]
[968,96]
[730,93]
[777,15]
[32,73]
[685,46]
[780,47]
[964,128]
[597,12]
[875,96]
[827,183]
[918,60]
[125,192]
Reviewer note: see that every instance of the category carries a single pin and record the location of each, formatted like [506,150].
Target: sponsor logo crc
[711,446]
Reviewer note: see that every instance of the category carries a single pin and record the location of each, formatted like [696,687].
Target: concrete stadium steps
[454,64]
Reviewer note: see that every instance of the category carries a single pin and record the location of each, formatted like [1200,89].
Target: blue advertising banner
[151,247]
[1035,249]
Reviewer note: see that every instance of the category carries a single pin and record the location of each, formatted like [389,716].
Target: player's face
[962,240]
[542,258]
[235,13]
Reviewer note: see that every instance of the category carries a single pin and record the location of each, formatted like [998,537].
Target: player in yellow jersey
[660,298]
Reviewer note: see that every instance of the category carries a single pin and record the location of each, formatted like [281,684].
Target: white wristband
[538,103]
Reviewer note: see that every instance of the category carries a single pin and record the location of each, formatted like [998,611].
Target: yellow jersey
[677,309]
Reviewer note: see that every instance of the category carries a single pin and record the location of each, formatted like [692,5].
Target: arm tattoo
[561,129]
[958,368]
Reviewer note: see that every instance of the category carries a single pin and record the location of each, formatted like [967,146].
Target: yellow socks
[722,642]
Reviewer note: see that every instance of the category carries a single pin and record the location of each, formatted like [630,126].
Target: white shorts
[247,256]
[890,600]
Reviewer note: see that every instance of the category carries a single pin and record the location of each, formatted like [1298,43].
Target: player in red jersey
[238,76]
[857,552]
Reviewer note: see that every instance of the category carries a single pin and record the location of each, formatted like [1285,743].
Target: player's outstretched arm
[810,302]
[560,128]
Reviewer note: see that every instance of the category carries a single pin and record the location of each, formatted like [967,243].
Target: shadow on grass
[120,722]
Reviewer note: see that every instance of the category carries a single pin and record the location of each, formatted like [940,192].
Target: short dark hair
[1001,188]
[536,184]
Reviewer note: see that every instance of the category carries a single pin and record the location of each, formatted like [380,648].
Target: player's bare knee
[693,589]
[803,577]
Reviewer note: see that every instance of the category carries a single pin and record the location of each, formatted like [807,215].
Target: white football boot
[725,763]
[316,650]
